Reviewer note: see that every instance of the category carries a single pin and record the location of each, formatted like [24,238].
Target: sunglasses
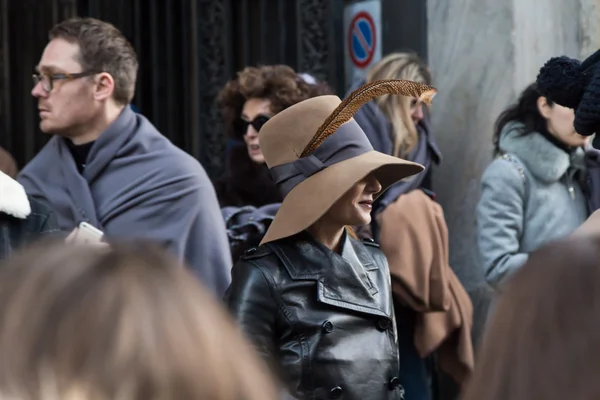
[257,123]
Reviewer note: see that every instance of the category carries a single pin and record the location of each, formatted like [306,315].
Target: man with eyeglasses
[107,165]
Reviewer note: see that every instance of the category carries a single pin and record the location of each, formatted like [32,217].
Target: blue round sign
[362,39]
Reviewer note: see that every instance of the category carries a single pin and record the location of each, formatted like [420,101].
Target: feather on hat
[316,152]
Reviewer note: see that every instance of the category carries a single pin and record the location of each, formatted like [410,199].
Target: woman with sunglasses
[247,193]
[247,102]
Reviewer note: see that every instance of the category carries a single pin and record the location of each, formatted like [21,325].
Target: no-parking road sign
[362,26]
[362,39]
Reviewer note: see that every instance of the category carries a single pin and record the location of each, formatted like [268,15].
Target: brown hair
[245,182]
[102,48]
[124,323]
[277,83]
[542,341]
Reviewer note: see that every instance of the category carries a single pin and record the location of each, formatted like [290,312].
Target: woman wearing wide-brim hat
[317,303]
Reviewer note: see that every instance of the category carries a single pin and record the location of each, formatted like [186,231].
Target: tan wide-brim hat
[316,152]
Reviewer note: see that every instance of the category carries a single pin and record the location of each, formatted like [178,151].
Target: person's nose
[373,185]
[251,132]
[38,91]
[417,113]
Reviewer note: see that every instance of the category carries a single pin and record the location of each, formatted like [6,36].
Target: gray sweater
[526,202]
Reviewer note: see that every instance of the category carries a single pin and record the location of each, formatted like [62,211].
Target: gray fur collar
[542,159]
[13,199]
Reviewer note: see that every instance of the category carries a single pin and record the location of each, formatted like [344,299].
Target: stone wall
[483,53]
[589,26]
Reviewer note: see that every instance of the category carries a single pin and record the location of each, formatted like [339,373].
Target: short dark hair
[102,48]
[525,111]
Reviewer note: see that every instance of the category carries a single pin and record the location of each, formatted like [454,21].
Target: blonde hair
[397,108]
[128,323]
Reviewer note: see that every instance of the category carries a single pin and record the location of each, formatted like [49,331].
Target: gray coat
[527,199]
[137,185]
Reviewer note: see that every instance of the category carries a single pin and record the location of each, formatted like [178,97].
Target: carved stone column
[320,40]
[5,122]
[211,71]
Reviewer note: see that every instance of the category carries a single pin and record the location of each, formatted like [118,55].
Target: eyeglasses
[48,79]
[257,123]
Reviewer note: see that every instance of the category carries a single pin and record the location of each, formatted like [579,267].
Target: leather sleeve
[251,302]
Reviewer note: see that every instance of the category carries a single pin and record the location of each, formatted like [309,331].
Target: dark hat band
[347,142]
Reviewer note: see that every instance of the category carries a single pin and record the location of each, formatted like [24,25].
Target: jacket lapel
[379,279]
[338,284]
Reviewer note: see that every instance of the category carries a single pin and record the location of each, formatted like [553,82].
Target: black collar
[80,153]
[337,282]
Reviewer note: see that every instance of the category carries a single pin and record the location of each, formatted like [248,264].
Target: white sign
[362,30]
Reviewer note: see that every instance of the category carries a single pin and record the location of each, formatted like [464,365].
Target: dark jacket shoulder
[265,253]
[261,257]
[42,218]
[254,253]
[16,232]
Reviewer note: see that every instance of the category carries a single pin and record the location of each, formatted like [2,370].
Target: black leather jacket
[15,232]
[326,328]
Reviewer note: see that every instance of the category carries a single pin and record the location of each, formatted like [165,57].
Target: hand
[74,237]
[591,227]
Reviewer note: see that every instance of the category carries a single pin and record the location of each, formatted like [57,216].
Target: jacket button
[335,393]
[393,383]
[327,327]
[251,251]
[384,324]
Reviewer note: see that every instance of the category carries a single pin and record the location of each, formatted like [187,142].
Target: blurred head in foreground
[542,341]
[125,323]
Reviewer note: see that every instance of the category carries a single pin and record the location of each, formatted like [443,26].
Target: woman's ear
[544,107]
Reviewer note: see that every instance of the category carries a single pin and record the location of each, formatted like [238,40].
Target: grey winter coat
[528,197]
[137,185]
